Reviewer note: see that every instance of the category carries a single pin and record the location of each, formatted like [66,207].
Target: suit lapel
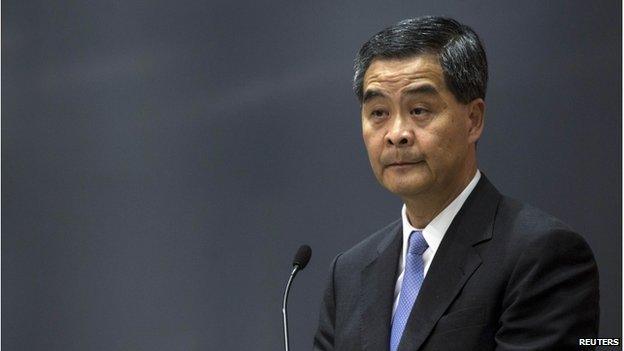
[454,262]
[377,294]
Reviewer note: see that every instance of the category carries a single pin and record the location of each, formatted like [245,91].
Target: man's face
[419,138]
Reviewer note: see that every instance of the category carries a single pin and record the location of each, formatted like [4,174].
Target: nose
[400,135]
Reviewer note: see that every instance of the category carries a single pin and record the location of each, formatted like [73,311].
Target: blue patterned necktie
[413,277]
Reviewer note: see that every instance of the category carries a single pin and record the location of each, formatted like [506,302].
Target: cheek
[371,142]
[374,156]
[429,141]
[437,147]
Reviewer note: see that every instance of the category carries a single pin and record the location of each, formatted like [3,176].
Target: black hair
[457,46]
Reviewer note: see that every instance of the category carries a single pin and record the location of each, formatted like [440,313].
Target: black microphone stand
[284,303]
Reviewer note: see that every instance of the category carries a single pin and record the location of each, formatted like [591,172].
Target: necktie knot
[417,243]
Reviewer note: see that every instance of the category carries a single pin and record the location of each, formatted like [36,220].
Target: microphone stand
[284,305]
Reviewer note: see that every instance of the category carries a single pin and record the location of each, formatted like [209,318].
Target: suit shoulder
[360,252]
[527,224]
[525,216]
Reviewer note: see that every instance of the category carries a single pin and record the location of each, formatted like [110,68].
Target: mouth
[403,164]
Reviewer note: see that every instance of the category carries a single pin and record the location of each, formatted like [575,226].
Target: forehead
[396,73]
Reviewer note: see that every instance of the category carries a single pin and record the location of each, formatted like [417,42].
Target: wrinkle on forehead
[397,73]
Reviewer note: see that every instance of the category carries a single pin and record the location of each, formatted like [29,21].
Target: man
[465,268]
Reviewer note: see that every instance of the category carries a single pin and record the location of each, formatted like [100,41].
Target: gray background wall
[161,161]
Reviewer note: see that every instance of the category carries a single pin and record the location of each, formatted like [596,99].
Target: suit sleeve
[552,297]
[324,337]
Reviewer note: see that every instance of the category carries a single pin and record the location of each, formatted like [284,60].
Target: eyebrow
[425,89]
[370,94]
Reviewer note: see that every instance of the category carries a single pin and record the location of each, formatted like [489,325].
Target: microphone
[302,257]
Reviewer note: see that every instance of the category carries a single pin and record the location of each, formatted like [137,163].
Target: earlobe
[477,119]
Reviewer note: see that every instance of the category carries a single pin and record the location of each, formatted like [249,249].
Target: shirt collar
[435,230]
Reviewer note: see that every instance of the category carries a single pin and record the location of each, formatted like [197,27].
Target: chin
[407,189]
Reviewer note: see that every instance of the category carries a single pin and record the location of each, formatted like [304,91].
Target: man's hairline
[426,52]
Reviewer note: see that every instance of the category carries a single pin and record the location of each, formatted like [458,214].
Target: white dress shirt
[433,234]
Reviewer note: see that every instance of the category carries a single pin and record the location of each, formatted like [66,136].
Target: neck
[423,208]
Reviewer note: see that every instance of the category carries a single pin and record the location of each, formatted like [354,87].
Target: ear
[476,119]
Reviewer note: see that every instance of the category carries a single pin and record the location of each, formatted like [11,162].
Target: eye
[379,113]
[418,111]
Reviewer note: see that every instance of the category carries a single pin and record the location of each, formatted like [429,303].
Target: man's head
[457,47]
[422,86]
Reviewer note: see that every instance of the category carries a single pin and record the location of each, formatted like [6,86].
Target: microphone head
[302,257]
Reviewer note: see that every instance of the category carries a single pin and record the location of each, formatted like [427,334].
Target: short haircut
[457,46]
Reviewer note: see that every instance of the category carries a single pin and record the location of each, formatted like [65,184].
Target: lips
[404,163]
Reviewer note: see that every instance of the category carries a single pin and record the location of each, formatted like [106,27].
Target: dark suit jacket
[506,276]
